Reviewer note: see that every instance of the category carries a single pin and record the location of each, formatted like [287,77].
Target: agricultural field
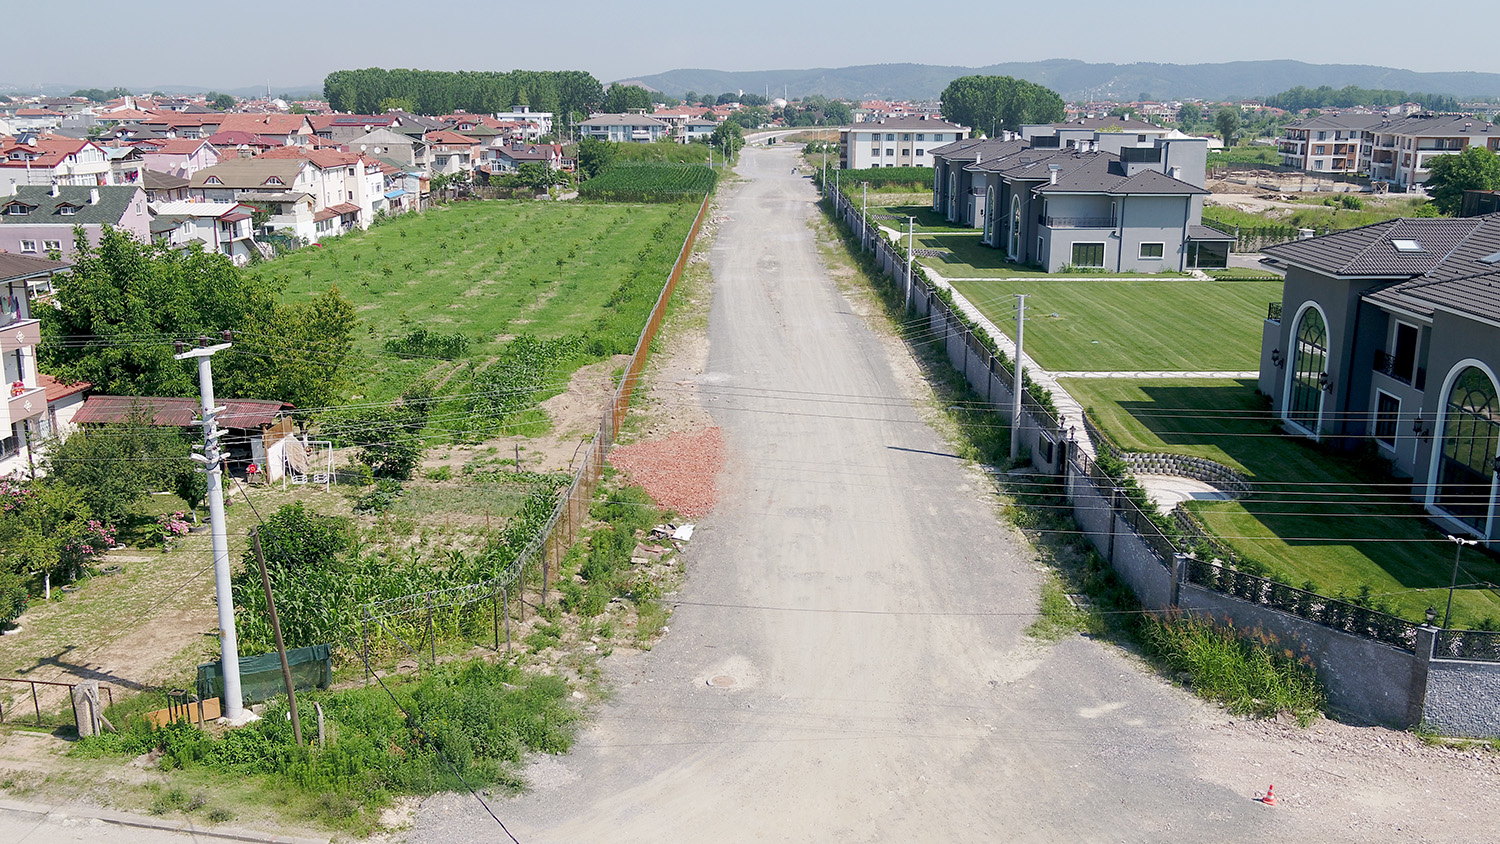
[650,183]
[1339,523]
[1133,324]
[661,152]
[488,272]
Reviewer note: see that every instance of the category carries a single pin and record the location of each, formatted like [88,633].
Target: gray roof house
[1075,206]
[623,128]
[39,220]
[1390,334]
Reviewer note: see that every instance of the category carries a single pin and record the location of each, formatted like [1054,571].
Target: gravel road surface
[847,661]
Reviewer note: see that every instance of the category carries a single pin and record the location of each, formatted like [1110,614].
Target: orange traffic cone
[1270,798]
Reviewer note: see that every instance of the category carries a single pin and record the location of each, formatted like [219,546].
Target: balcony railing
[1386,365]
[28,403]
[1078,222]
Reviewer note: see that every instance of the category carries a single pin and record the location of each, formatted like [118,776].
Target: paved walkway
[1147,375]
[43,823]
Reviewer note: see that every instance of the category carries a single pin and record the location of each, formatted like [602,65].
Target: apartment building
[896,141]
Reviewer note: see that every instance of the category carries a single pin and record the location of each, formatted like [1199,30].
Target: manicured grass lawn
[1314,517]
[488,270]
[1133,324]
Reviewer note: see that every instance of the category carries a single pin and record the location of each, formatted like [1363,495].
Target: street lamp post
[1458,551]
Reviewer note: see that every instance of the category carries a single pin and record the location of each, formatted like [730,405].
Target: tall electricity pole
[911,228]
[212,460]
[1015,399]
[864,219]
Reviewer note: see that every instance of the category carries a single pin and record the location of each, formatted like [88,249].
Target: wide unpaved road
[868,605]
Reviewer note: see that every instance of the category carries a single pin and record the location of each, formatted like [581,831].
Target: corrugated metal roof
[176,413]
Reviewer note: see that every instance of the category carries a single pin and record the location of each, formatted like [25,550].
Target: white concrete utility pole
[229,649]
[1015,399]
[864,219]
[911,256]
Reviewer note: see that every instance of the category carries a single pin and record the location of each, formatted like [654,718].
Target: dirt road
[847,661]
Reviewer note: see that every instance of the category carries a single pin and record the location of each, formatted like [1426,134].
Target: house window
[875,152]
[1152,250]
[906,152]
[1309,368]
[1319,150]
[921,152]
[28,246]
[1387,411]
[66,210]
[890,137]
[890,151]
[52,245]
[906,137]
[16,209]
[937,137]
[921,137]
[1318,164]
[1404,356]
[1088,255]
[1470,432]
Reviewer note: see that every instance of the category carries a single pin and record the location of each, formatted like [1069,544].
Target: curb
[226,833]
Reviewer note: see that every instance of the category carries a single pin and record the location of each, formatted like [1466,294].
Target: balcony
[1386,365]
[1077,222]
[22,334]
[28,403]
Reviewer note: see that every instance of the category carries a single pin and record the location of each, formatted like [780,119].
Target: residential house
[223,227]
[895,141]
[36,119]
[126,165]
[1402,149]
[534,124]
[1135,210]
[343,179]
[1329,143]
[23,416]
[290,188]
[508,156]
[343,128]
[1390,335]
[623,128]
[52,159]
[239,144]
[163,187]
[38,221]
[697,129]
[451,152]
[1127,130]
[393,146]
[180,156]
[285,129]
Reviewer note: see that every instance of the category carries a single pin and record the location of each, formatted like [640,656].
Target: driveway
[847,660]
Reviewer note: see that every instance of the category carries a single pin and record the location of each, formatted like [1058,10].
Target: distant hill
[62,89]
[1076,80]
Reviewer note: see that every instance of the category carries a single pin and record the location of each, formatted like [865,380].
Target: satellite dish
[361,147]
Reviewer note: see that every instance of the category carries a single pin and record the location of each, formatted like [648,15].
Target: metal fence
[55,717]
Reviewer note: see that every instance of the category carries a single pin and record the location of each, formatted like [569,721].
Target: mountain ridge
[1076,80]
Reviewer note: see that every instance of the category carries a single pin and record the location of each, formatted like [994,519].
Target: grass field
[1334,521]
[1133,324]
[1316,215]
[487,270]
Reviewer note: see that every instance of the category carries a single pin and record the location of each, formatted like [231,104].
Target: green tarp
[260,676]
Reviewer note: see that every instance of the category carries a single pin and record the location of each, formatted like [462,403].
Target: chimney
[978,157]
[56,191]
[1053,171]
[1175,172]
[93,196]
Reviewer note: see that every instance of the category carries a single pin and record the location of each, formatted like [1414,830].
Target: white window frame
[28,247]
[49,245]
[1375,421]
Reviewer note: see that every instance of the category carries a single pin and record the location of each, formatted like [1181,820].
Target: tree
[1476,168]
[595,156]
[293,539]
[622,98]
[991,103]
[538,176]
[390,437]
[112,466]
[1190,114]
[691,98]
[220,102]
[396,104]
[727,136]
[1227,121]
[1126,112]
[123,290]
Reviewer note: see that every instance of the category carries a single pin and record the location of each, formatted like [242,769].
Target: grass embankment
[1247,674]
[1317,215]
[1334,522]
[1134,325]
[661,152]
[1249,154]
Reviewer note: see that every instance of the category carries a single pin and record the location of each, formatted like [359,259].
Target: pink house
[179,156]
[38,221]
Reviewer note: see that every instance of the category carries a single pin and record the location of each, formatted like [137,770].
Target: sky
[288,44]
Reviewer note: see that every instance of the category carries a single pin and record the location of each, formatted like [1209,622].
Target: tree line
[372,90]
[1326,96]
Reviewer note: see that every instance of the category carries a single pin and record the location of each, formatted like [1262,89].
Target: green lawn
[488,270]
[1332,520]
[1133,324]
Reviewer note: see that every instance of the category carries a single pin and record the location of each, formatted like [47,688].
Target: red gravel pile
[678,471]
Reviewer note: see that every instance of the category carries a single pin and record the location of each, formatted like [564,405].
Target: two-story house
[903,141]
[623,128]
[1402,149]
[1389,334]
[290,189]
[53,159]
[450,153]
[38,221]
[223,227]
[179,156]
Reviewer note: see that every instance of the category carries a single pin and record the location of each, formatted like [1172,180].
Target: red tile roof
[264,124]
[176,413]
[57,390]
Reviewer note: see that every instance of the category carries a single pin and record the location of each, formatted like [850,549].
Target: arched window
[953,197]
[1015,228]
[989,214]
[937,188]
[1309,364]
[1466,464]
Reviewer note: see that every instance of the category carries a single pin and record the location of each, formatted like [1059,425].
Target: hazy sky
[296,44]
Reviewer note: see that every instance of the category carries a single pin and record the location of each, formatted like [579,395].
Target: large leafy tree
[595,156]
[124,302]
[1476,168]
[112,466]
[1227,121]
[991,103]
[622,98]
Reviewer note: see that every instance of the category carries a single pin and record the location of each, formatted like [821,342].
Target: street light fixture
[1458,551]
